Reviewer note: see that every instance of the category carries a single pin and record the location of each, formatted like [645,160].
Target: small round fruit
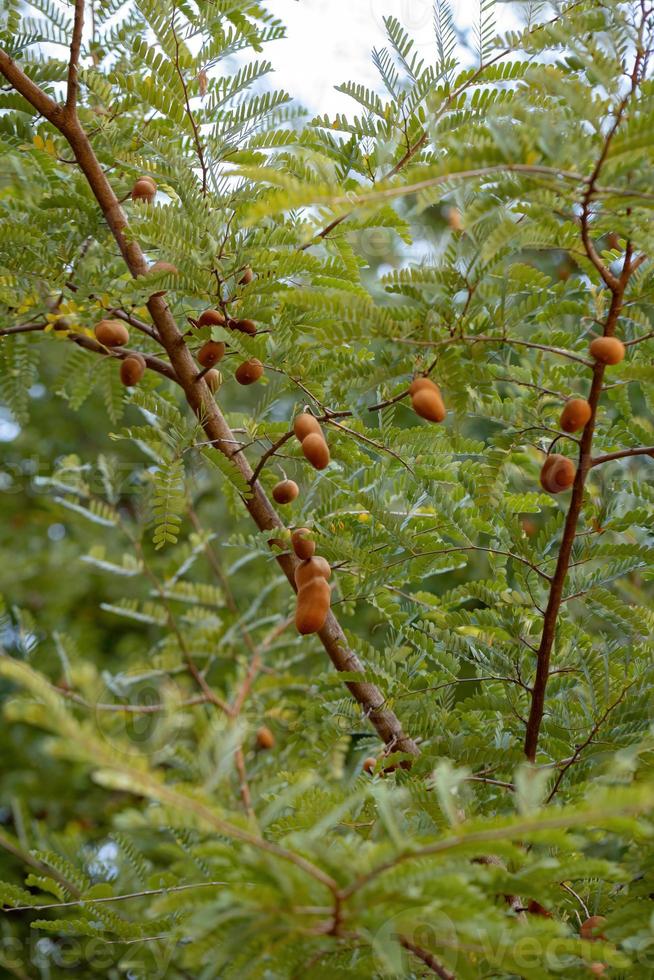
[210,353]
[369,765]
[589,928]
[557,474]
[214,379]
[316,450]
[245,326]
[575,414]
[607,350]
[285,492]
[317,567]
[249,371]
[305,424]
[144,189]
[303,544]
[429,405]
[247,277]
[112,333]
[265,738]
[211,318]
[312,606]
[420,384]
[132,370]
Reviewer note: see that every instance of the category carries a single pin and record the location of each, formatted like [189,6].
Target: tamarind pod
[211,318]
[211,352]
[265,738]
[249,371]
[303,545]
[214,379]
[305,424]
[111,333]
[144,189]
[420,384]
[607,350]
[316,450]
[428,404]
[132,370]
[247,277]
[285,491]
[575,414]
[312,606]
[312,568]
[245,326]
[557,473]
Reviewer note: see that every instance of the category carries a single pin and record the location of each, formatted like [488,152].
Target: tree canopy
[436,758]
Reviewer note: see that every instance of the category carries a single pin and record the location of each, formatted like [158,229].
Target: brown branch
[76,44]
[201,400]
[622,454]
[196,134]
[618,286]
[427,958]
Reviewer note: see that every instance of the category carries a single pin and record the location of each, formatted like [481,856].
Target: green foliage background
[440,536]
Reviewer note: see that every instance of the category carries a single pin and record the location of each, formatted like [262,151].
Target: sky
[330,42]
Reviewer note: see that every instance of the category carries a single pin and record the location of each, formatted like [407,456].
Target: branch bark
[200,398]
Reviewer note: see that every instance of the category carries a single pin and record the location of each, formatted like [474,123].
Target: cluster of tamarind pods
[558,472]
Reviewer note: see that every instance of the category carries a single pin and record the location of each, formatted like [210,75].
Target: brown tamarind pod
[111,333]
[211,318]
[303,544]
[313,601]
[163,267]
[285,492]
[265,738]
[588,928]
[316,450]
[557,474]
[144,189]
[249,371]
[210,353]
[575,414]
[245,326]
[305,424]
[420,384]
[312,568]
[428,404]
[369,765]
[607,350]
[214,379]
[132,370]
[247,277]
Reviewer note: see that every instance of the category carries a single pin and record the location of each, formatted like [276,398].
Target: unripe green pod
[303,544]
[575,414]
[212,352]
[111,333]
[305,424]
[607,350]
[249,371]
[316,450]
[557,474]
[132,370]
[285,492]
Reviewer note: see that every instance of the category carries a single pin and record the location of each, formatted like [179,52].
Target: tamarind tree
[242,350]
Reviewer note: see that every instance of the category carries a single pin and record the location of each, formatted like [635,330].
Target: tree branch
[201,400]
[622,454]
[76,44]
